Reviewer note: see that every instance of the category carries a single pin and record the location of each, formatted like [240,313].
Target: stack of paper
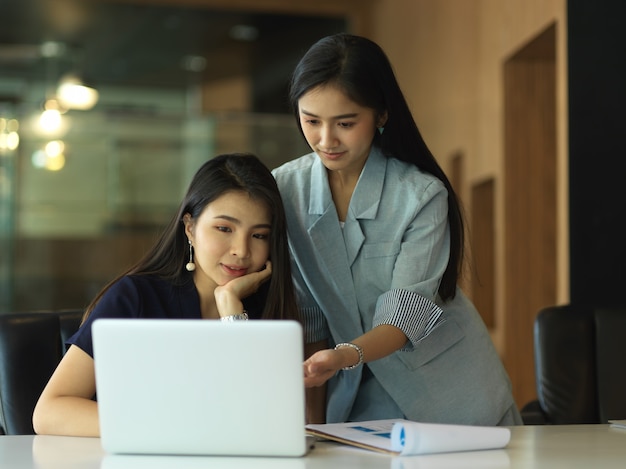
[618,423]
[404,437]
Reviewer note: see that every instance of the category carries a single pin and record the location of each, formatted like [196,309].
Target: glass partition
[116,105]
[9,142]
[91,199]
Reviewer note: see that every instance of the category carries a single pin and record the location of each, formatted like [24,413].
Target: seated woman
[223,256]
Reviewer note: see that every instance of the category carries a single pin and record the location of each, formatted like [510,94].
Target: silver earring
[190,265]
[381,130]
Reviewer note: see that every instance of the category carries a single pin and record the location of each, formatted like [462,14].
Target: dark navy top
[150,296]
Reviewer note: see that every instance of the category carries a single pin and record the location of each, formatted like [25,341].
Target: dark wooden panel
[482,237]
[530,204]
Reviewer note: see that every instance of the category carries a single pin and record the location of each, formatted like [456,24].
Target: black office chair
[31,346]
[579,366]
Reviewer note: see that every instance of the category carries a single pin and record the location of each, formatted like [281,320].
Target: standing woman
[223,256]
[376,239]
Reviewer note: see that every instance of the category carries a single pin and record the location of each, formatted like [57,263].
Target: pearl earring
[190,265]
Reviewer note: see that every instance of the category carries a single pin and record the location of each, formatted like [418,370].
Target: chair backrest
[31,346]
[579,364]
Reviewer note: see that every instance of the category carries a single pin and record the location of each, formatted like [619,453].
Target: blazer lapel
[325,231]
[327,237]
[364,202]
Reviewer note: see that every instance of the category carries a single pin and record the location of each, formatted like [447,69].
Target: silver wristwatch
[236,317]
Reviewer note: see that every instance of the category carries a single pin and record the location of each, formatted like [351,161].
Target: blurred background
[108,108]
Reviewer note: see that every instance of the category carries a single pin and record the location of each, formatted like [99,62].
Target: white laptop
[200,387]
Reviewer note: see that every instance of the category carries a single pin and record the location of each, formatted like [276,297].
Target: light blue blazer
[384,267]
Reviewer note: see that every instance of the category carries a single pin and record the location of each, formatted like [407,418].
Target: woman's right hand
[322,365]
[228,297]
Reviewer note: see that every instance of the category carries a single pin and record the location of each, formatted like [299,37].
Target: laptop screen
[169,386]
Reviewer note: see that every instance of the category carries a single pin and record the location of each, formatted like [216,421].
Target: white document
[422,438]
[404,437]
[618,423]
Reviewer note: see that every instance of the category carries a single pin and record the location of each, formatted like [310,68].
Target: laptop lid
[200,387]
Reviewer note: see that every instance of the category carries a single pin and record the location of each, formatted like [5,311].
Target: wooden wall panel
[530,203]
[482,238]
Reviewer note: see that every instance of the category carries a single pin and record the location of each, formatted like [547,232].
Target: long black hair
[224,173]
[361,69]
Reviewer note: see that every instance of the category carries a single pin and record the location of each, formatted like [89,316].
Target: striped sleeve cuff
[315,325]
[413,314]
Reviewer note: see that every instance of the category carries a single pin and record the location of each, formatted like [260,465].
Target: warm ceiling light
[54,148]
[9,138]
[12,140]
[54,105]
[73,94]
[55,163]
[50,158]
[50,120]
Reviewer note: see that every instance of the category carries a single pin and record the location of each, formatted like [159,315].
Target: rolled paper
[409,438]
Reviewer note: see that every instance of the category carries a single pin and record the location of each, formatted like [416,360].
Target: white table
[553,447]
